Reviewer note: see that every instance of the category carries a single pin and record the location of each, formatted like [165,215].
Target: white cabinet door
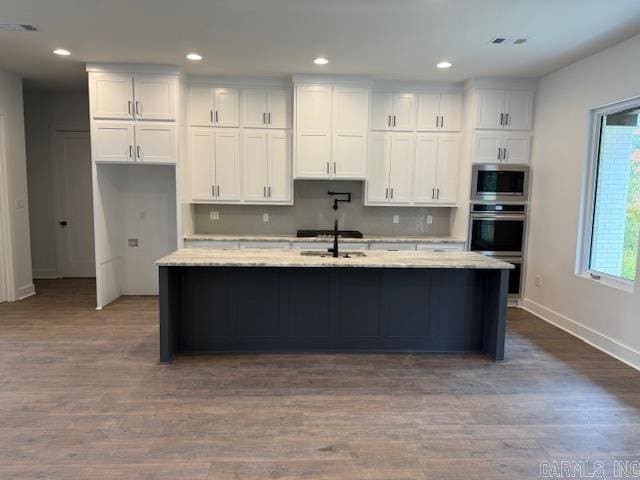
[516,147]
[490,108]
[428,112]
[112,95]
[424,186]
[112,142]
[279,153]
[519,108]
[313,131]
[279,108]
[404,112]
[155,97]
[200,106]
[401,167]
[255,166]
[450,112]
[201,161]
[227,165]
[378,167]
[156,143]
[227,107]
[254,108]
[487,147]
[447,169]
[381,111]
[350,125]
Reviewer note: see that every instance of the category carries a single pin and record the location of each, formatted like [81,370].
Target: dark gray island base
[225,306]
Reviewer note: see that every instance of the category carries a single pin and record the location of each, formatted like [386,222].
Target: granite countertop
[208,257]
[284,238]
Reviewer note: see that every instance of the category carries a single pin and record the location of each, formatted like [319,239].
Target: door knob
[63,223]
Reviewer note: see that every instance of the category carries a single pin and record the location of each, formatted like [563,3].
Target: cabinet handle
[138,108]
[327,168]
[269,118]
[335,168]
[269,191]
[437,194]
[394,124]
[130,151]
[501,119]
[506,119]
[504,153]
[437,120]
[391,192]
[433,194]
[129,107]
[499,152]
[264,118]
[441,121]
[264,192]
[389,121]
[138,151]
[213,190]
[211,115]
[216,116]
[218,190]
[386,192]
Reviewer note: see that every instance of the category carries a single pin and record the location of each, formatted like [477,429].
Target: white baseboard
[588,335]
[25,292]
[45,273]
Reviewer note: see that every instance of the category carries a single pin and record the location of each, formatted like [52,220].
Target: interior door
[404,111]
[279,166]
[156,143]
[279,108]
[313,140]
[254,108]
[113,142]
[155,97]
[227,107]
[401,168]
[112,96]
[489,108]
[350,124]
[255,163]
[227,169]
[426,164]
[451,112]
[74,205]
[428,112]
[447,169]
[201,156]
[381,108]
[200,106]
[378,167]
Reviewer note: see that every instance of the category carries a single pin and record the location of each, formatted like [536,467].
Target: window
[612,217]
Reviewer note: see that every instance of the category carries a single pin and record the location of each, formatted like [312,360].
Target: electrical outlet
[429,219]
[538,281]
[132,242]
[265,217]
[214,215]
[396,219]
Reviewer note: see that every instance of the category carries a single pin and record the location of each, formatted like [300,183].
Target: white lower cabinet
[499,147]
[436,169]
[148,143]
[393,247]
[390,168]
[266,167]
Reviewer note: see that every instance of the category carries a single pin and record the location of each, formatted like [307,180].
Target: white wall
[20,283]
[45,111]
[604,316]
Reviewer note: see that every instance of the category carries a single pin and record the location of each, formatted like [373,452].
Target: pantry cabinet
[501,147]
[125,96]
[436,169]
[214,106]
[331,131]
[439,112]
[266,167]
[266,108]
[134,142]
[393,111]
[390,168]
[504,109]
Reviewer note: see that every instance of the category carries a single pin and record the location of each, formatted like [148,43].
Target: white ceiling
[393,39]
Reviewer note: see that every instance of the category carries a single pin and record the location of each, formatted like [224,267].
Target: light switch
[396,219]
[265,217]
[429,219]
[214,215]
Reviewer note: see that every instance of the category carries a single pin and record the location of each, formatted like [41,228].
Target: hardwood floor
[82,397]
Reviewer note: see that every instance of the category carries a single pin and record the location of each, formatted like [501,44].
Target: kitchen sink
[321,253]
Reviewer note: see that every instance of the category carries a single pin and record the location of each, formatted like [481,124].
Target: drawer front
[277,245]
[432,247]
[221,244]
[393,247]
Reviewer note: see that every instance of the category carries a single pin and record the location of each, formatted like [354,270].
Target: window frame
[589,193]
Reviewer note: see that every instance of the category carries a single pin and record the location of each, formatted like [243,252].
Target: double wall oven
[498,220]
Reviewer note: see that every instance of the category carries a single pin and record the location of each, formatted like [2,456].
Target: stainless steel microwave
[498,182]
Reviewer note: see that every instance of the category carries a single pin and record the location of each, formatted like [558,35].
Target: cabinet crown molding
[239,81]
[359,80]
[132,68]
[502,83]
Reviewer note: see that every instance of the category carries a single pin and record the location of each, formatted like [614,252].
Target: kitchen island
[215,301]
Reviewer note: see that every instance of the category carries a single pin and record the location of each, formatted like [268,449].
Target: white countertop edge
[293,239]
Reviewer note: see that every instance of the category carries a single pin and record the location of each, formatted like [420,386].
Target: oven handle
[491,216]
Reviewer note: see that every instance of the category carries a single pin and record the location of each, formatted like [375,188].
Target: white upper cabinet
[266,108]
[439,112]
[378,167]
[350,125]
[313,131]
[501,147]
[131,142]
[436,167]
[390,168]
[112,142]
[266,159]
[279,189]
[126,96]
[227,165]
[111,95]
[218,107]
[202,162]
[393,111]
[155,97]
[504,109]
[156,143]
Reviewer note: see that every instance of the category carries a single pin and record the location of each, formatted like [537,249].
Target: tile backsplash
[312,209]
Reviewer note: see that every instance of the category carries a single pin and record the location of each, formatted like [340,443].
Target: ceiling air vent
[18,27]
[507,41]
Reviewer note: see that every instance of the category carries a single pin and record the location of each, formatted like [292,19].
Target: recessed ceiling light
[62,52]
[444,65]
[194,56]
[321,61]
